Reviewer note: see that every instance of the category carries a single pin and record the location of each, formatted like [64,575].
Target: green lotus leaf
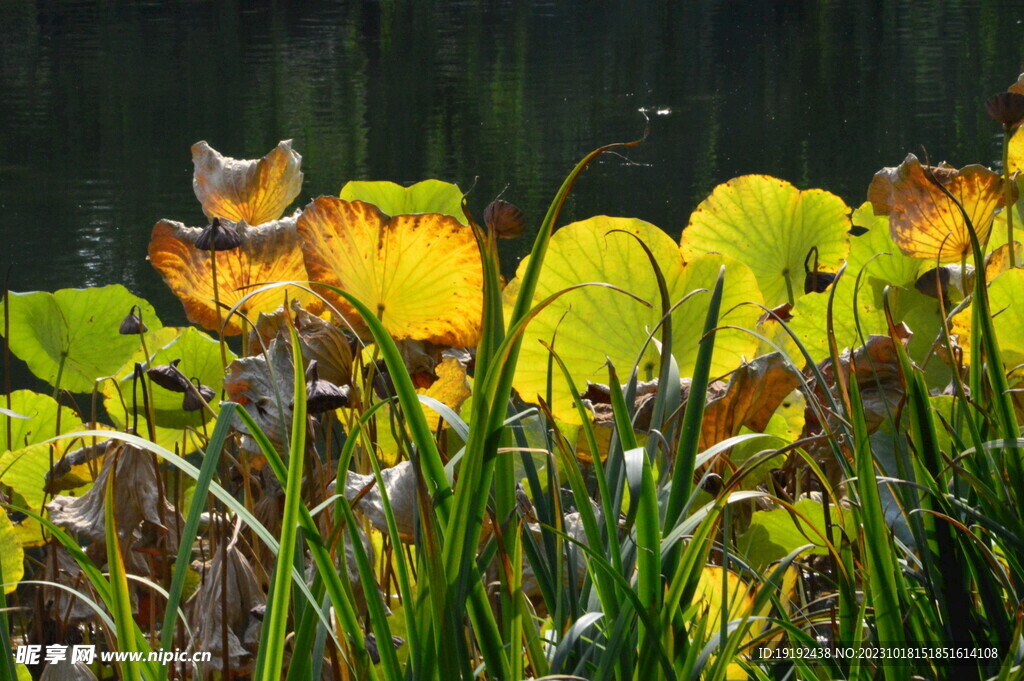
[774,534]
[879,262]
[200,358]
[593,325]
[12,555]
[428,196]
[70,338]
[25,461]
[1007,318]
[770,226]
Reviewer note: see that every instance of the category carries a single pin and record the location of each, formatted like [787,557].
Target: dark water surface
[100,101]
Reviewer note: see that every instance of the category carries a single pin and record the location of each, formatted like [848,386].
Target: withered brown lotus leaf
[269,252]
[420,275]
[230,579]
[875,366]
[71,471]
[255,191]
[262,385]
[504,219]
[400,484]
[923,221]
[754,392]
[322,342]
[60,568]
[136,498]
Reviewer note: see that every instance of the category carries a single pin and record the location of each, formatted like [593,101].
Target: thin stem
[216,305]
[1008,190]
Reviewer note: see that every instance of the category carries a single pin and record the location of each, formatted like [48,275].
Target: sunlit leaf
[268,253]
[770,226]
[1004,294]
[923,221]
[200,358]
[73,333]
[593,325]
[23,468]
[11,554]
[774,534]
[421,274]
[428,196]
[255,191]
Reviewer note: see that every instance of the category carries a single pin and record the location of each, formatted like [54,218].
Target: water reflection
[103,100]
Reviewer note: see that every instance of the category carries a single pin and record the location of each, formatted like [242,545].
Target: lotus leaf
[11,555]
[24,466]
[421,274]
[69,338]
[269,252]
[1007,318]
[200,358]
[923,221]
[255,191]
[428,196]
[774,534]
[754,392]
[770,226]
[593,325]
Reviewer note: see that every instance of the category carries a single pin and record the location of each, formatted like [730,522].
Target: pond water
[101,102]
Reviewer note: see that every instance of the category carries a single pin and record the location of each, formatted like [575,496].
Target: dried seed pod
[216,236]
[322,395]
[504,219]
[197,396]
[1006,108]
[132,325]
[169,376]
[817,282]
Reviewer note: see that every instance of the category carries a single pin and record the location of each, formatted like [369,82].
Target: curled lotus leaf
[400,485]
[754,392]
[262,385]
[228,579]
[770,226]
[420,274]
[593,325]
[200,358]
[1007,319]
[876,368]
[321,341]
[927,224]
[70,338]
[138,502]
[269,252]
[428,196]
[255,191]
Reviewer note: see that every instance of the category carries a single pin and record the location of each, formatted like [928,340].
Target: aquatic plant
[798,426]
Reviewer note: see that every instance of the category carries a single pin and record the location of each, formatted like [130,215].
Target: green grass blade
[275,624]
[120,601]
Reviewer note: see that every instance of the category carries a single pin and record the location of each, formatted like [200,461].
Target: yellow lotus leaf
[269,252]
[924,222]
[1007,318]
[420,274]
[770,226]
[255,191]
[594,325]
[452,386]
